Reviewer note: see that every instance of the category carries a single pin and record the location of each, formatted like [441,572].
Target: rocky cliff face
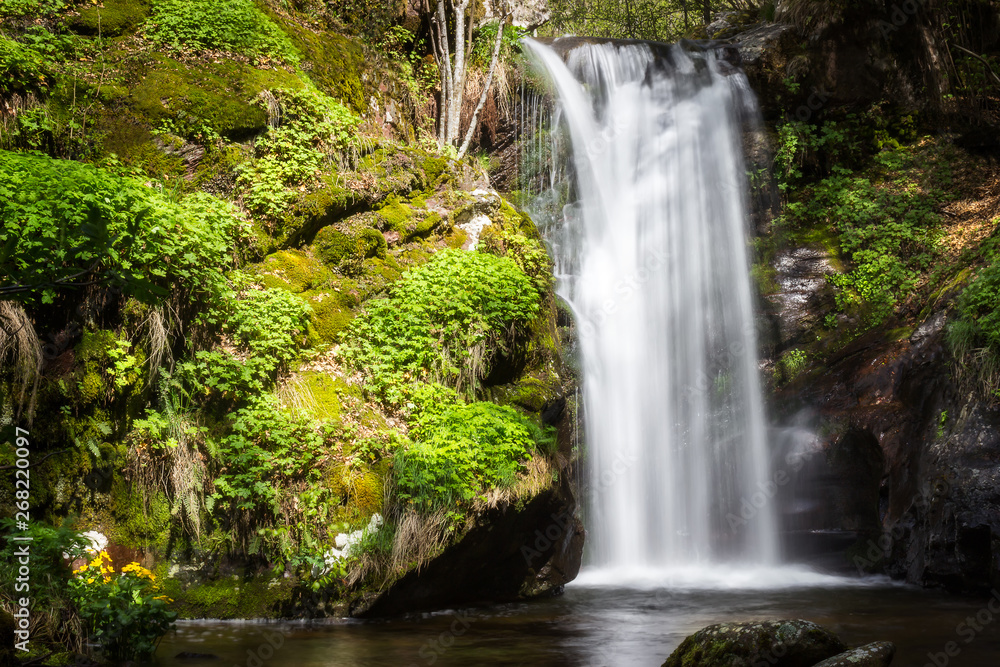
[894,453]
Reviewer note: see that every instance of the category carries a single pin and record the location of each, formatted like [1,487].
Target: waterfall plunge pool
[598,623]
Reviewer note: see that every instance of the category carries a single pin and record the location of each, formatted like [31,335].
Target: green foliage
[528,254]
[793,362]
[976,327]
[370,19]
[461,450]
[21,67]
[485,41]
[237,26]
[31,8]
[66,225]
[888,229]
[314,130]
[52,604]
[124,611]
[406,52]
[442,323]
[658,20]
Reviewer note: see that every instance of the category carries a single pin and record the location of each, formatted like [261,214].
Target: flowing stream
[650,243]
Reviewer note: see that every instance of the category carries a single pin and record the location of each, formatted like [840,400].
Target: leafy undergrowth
[912,222]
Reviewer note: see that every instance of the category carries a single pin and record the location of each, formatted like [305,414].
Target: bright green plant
[443,322]
[460,451]
[888,231]
[313,131]
[66,225]
[123,611]
[21,67]
[32,8]
[237,26]
[976,327]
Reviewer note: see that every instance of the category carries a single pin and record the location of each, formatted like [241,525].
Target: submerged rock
[876,654]
[783,643]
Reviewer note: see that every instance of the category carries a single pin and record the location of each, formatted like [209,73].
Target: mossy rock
[332,311]
[293,270]
[220,95]
[333,62]
[335,247]
[320,393]
[395,215]
[139,522]
[366,492]
[789,643]
[112,18]
[310,213]
[231,597]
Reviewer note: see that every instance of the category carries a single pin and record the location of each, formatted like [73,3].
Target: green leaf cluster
[67,225]
[460,451]
[888,230]
[237,26]
[21,67]
[443,322]
[312,131]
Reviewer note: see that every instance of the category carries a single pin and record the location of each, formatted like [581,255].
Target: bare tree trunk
[441,51]
[458,74]
[707,11]
[486,88]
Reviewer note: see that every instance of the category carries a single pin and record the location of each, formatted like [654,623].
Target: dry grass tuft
[20,344]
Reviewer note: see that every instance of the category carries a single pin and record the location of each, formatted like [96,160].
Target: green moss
[395,215]
[434,168]
[112,18]
[231,597]
[139,523]
[366,493]
[310,213]
[422,227]
[320,394]
[335,247]
[293,270]
[220,95]
[335,63]
[331,313]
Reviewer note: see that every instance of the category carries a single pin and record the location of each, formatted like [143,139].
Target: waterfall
[650,241]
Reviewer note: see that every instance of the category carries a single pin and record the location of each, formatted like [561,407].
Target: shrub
[974,333]
[21,67]
[67,224]
[51,595]
[444,322]
[237,26]
[888,230]
[124,612]
[313,130]
[461,450]
[31,8]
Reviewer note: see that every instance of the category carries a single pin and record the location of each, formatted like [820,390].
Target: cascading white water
[652,258]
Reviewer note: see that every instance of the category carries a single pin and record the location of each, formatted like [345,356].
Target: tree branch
[38,462]
[486,88]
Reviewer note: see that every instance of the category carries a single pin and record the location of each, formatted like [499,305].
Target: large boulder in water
[787,643]
[876,654]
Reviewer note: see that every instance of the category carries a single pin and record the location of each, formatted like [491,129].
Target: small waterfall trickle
[650,242]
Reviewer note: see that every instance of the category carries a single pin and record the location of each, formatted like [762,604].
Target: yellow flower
[90,581]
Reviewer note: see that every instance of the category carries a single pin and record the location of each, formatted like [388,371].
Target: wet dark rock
[517,552]
[784,643]
[803,294]
[876,654]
